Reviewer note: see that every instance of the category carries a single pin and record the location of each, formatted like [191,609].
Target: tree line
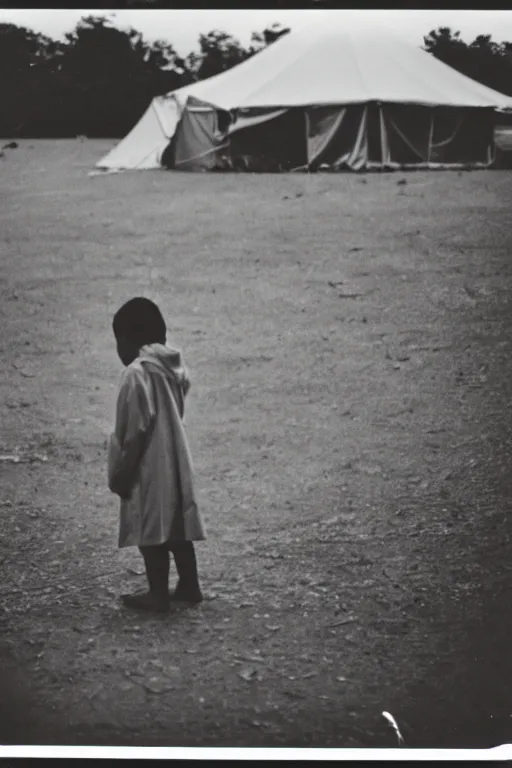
[99,80]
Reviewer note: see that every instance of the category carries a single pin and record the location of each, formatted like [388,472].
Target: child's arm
[134,419]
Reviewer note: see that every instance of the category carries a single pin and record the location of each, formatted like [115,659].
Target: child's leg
[188,588]
[156,560]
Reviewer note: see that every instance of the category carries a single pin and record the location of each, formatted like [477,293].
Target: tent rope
[202,154]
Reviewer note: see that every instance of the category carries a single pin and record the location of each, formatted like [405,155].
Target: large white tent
[321,97]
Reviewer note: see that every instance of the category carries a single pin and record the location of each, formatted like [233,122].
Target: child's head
[137,323]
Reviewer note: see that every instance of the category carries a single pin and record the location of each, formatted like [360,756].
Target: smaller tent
[183,134]
[142,148]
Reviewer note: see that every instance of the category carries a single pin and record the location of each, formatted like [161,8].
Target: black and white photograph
[255,437]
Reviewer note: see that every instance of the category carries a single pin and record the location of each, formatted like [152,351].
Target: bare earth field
[349,339]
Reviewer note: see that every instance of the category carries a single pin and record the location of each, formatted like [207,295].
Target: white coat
[149,462]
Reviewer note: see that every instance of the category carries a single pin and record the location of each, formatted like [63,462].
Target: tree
[269,35]
[446,46]
[24,55]
[114,74]
[97,82]
[218,53]
[20,48]
[482,60]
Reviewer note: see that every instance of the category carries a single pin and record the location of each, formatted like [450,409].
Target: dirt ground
[349,341]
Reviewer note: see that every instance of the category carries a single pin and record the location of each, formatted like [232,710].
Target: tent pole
[306,124]
[430,136]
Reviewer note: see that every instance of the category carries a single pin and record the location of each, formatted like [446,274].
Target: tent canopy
[322,65]
[342,66]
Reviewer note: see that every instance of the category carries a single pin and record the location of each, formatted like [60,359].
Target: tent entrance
[389,136]
[417,136]
[337,137]
[199,139]
[268,141]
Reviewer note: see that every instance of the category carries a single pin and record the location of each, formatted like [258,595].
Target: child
[149,464]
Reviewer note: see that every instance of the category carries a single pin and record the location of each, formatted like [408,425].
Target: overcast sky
[183,27]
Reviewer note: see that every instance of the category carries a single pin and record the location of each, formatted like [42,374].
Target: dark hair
[140,320]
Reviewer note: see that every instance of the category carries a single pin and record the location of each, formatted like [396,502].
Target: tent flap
[408,133]
[338,138]
[323,123]
[251,120]
[197,139]
[462,136]
[143,147]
